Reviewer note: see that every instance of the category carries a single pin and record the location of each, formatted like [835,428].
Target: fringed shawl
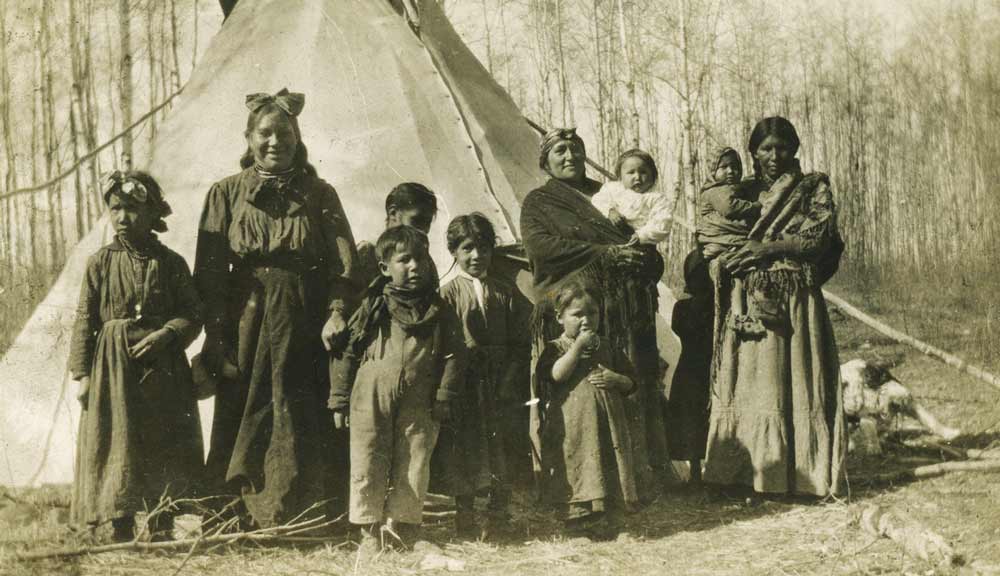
[563,232]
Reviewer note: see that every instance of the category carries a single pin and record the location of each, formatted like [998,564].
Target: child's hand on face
[587,342]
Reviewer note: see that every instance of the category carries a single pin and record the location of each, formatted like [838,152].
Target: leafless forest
[898,101]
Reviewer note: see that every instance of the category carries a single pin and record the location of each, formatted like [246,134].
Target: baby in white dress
[630,199]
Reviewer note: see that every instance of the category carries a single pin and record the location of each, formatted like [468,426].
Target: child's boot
[161,527]
[497,515]
[123,529]
[465,517]
[369,543]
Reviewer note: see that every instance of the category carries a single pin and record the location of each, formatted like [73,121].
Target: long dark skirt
[279,455]
[140,436]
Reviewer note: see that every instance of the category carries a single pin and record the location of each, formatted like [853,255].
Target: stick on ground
[913,537]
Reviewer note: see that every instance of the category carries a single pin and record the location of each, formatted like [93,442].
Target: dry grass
[683,533]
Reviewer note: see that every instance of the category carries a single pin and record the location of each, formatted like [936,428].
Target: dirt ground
[685,532]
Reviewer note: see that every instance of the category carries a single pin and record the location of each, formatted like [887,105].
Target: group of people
[346,374]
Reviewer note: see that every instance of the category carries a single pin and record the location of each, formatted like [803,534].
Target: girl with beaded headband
[140,436]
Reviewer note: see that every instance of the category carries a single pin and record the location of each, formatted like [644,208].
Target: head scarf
[128,186]
[291,103]
[553,137]
[719,153]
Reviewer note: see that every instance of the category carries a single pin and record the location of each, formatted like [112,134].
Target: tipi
[387,100]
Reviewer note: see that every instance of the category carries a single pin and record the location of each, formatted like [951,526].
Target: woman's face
[565,160]
[273,141]
[774,155]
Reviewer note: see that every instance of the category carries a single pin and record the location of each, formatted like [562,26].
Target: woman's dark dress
[273,261]
[566,238]
[140,436]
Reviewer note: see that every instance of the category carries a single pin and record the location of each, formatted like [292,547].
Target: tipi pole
[853,312]
[934,352]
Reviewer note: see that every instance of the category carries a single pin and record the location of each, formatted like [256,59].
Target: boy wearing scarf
[394,378]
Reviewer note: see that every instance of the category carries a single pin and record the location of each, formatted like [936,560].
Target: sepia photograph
[500,287]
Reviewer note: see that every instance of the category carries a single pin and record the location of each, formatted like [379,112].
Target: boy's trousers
[392,439]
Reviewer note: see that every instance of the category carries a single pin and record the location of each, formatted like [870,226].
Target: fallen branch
[913,537]
[934,352]
[277,534]
[932,470]
[987,454]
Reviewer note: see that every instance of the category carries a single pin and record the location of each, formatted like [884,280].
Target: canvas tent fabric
[383,105]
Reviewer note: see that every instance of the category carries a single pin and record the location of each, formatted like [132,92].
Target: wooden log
[913,537]
[932,470]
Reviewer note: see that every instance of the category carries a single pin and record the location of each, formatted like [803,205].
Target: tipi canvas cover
[385,103]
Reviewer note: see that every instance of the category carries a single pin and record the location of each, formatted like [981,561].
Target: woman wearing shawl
[567,238]
[777,421]
[274,269]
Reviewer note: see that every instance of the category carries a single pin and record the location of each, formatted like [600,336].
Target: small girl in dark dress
[688,402]
[140,436]
[588,465]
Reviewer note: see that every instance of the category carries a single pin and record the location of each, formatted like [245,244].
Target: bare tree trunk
[629,78]
[32,203]
[125,79]
[489,39]
[151,54]
[52,161]
[76,111]
[10,179]
[90,115]
[563,90]
[602,129]
[194,34]
[687,111]
[175,70]
[111,108]
[506,47]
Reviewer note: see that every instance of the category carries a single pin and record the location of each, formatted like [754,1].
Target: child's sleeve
[343,258]
[723,200]
[211,262]
[546,360]
[518,346]
[658,220]
[188,320]
[455,356]
[87,323]
[344,362]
